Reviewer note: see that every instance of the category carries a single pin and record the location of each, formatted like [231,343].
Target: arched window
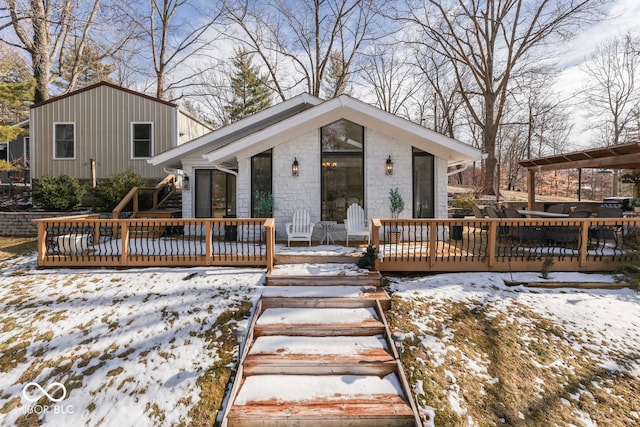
[342,168]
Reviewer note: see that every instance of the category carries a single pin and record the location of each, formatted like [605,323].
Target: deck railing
[159,193]
[87,241]
[590,244]
[440,245]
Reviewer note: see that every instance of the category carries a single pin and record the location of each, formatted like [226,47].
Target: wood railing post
[375,239]
[42,243]
[124,238]
[208,241]
[269,226]
[584,241]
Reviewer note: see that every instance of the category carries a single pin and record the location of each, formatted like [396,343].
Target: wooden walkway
[319,353]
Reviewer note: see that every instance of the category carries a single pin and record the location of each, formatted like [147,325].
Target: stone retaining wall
[20,224]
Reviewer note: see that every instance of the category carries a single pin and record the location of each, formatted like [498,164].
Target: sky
[622,16]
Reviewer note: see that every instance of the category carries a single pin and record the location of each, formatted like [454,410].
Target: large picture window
[423,184]
[342,168]
[141,140]
[64,141]
[215,194]
[261,179]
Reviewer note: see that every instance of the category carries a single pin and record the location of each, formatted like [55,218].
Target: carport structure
[621,157]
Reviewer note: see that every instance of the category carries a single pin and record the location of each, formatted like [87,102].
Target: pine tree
[16,93]
[250,91]
[80,69]
[335,79]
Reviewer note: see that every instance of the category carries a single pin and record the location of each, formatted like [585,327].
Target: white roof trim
[356,111]
[201,142]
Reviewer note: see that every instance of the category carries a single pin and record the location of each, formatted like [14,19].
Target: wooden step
[368,355]
[322,275]
[324,297]
[318,322]
[330,400]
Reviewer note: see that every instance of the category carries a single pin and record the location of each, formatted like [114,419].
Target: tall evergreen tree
[16,92]
[250,91]
[335,78]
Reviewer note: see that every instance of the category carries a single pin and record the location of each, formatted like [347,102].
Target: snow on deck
[343,346]
[300,316]
[301,388]
[318,270]
[317,291]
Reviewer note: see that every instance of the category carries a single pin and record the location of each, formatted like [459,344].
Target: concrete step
[328,400]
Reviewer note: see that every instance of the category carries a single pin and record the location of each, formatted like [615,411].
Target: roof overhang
[345,107]
[228,134]
[625,156]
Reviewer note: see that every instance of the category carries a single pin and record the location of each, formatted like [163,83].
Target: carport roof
[625,156]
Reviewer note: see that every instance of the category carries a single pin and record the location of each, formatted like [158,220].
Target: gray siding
[189,128]
[102,118]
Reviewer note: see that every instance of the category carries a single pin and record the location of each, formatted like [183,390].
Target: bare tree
[490,42]
[612,93]
[392,78]
[47,30]
[442,89]
[296,45]
[173,32]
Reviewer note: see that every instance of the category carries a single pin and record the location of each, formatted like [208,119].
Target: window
[4,151]
[215,194]
[422,184]
[342,168]
[64,141]
[260,181]
[141,140]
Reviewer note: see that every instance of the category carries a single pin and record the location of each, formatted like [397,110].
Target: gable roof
[305,113]
[237,130]
[100,84]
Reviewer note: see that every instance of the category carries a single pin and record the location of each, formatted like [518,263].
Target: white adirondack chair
[300,228]
[355,224]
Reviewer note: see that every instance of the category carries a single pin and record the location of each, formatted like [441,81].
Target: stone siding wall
[20,224]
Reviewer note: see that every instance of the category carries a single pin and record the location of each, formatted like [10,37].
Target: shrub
[109,192]
[61,193]
[464,201]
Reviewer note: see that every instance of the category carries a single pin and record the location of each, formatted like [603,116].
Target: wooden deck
[431,245]
[326,364]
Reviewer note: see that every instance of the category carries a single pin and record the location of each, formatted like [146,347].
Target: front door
[215,194]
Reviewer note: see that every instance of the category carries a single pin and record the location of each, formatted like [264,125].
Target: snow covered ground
[131,345]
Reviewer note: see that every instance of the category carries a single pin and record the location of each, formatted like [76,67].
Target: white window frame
[55,157]
[152,142]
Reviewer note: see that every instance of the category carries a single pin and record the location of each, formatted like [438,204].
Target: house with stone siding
[318,155]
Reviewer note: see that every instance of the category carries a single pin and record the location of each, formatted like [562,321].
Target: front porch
[426,245]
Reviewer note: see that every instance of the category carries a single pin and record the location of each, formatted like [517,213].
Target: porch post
[531,189]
